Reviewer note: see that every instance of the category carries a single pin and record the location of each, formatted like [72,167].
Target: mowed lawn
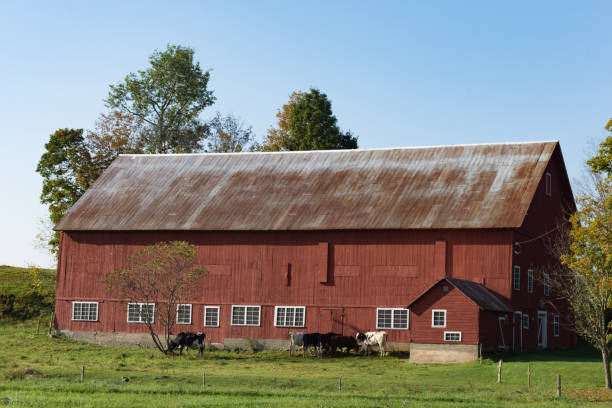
[37,371]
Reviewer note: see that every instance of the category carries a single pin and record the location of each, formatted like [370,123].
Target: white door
[542,329]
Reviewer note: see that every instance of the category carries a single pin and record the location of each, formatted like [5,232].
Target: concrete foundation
[442,353]
[143,340]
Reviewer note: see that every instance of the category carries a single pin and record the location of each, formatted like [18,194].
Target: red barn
[440,247]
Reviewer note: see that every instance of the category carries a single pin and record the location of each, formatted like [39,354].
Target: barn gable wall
[545,215]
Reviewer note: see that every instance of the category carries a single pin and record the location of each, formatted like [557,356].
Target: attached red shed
[323,241]
[455,312]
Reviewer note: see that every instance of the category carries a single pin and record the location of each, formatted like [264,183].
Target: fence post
[528,376]
[339,384]
[203,379]
[51,321]
[499,373]
[38,325]
[558,385]
[82,373]
[480,352]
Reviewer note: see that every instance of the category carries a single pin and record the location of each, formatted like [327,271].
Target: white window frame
[516,277]
[87,319]
[303,308]
[525,319]
[452,332]
[245,315]
[218,308]
[140,312]
[548,184]
[529,280]
[546,284]
[433,313]
[393,310]
[556,328]
[190,312]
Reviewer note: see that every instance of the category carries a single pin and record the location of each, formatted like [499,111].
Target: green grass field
[37,371]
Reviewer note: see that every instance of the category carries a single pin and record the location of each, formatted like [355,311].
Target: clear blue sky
[398,73]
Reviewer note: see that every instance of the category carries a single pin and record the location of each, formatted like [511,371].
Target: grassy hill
[26,292]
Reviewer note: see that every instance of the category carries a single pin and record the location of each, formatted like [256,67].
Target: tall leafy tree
[168,97]
[307,122]
[64,168]
[602,161]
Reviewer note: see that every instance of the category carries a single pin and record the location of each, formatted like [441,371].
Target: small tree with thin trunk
[163,275]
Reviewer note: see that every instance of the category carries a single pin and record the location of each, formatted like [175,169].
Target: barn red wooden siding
[341,277]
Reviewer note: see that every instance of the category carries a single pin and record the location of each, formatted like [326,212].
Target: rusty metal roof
[465,186]
[480,295]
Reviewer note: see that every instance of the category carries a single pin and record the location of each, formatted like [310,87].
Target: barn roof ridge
[367,149]
[445,187]
[482,296]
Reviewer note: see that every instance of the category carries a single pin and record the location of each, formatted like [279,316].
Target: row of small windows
[284,316]
[516,280]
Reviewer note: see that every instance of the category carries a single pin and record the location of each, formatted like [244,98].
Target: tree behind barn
[585,250]
[228,134]
[307,122]
[168,97]
[163,274]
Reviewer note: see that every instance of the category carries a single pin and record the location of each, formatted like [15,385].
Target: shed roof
[446,187]
[479,294]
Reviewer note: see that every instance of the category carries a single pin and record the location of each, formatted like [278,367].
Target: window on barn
[246,315]
[452,336]
[548,184]
[525,321]
[183,314]
[530,280]
[556,325]
[438,318]
[546,284]
[85,311]
[289,316]
[211,316]
[516,278]
[140,312]
[391,318]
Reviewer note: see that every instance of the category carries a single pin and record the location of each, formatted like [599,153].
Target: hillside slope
[26,292]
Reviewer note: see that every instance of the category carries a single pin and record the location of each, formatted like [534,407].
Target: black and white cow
[188,339]
[372,338]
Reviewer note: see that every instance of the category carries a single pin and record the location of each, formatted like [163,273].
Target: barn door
[332,320]
[542,329]
[518,331]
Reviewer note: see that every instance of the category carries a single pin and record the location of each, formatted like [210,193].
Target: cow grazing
[318,341]
[188,339]
[295,339]
[372,338]
[311,340]
[341,342]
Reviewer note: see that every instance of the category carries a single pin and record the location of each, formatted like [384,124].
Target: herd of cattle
[330,342]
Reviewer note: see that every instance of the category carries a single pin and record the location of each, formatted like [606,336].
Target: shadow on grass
[582,352]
